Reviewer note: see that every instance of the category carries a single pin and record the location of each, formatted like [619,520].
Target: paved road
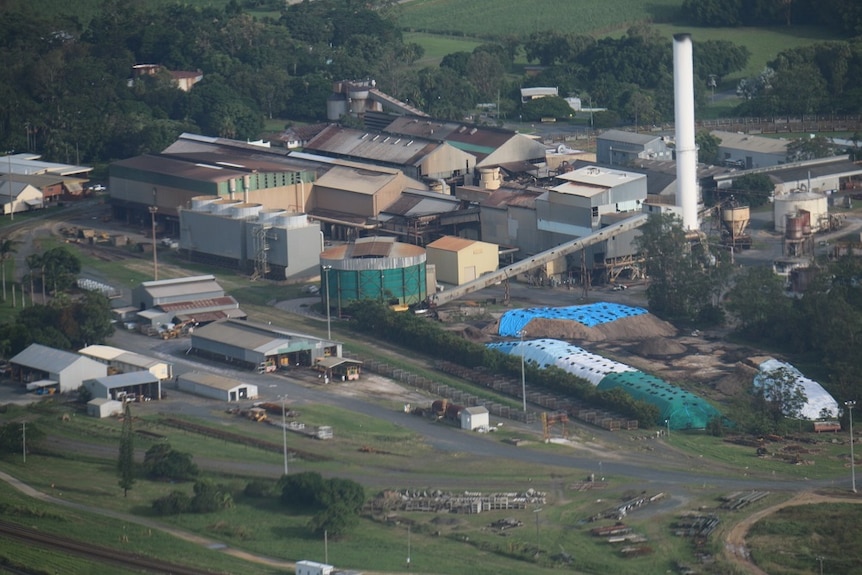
[674,469]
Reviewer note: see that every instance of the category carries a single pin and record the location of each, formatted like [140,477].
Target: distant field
[487,18]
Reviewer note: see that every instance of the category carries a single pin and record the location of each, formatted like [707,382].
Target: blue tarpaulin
[590,315]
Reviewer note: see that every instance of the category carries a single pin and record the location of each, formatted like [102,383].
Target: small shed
[216,386]
[313,568]
[134,386]
[102,407]
[338,368]
[475,417]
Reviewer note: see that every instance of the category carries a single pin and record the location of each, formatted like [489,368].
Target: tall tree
[126,459]
[7,250]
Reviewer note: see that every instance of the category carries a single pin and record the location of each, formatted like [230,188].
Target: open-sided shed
[134,386]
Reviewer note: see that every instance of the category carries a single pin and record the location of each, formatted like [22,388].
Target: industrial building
[122,361]
[619,148]
[418,217]
[349,198]
[133,386]
[419,158]
[749,151]
[459,260]
[196,299]
[45,369]
[260,347]
[374,268]
[488,146]
[215,386]
[358,98]
[264,242]
[151,189]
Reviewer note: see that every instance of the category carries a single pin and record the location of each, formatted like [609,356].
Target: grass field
[498,18]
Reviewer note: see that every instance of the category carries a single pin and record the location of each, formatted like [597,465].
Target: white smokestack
[686,150]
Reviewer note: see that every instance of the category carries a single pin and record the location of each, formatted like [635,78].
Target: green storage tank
[375,268]
[678,408]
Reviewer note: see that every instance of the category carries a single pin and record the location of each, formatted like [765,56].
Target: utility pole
[24,440]
[153,210]
[284,432]
[523,373]
[328,316]
[850,405]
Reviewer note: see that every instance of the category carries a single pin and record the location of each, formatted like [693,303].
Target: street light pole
[850,405]
[667,422]
[9,175]
[284,432]
[328,316]
[536,511]
[153,210]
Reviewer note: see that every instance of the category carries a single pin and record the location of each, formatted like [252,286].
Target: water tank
[201,203]
[243,211]
[222,206]
[291,220]
[269,214]
[794,227]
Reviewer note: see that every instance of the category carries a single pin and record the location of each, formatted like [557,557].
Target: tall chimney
[686,150]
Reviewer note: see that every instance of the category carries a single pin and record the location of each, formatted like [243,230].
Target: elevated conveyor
[538,260]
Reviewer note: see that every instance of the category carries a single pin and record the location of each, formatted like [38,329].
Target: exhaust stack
[686,149]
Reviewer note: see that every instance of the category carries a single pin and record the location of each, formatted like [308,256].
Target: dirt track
[735,550]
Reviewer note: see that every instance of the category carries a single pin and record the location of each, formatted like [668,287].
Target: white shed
[126,361]
[101,407]
[475,417]
[313,568]
[69,370]
[216,386]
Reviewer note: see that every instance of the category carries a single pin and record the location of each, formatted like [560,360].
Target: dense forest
[69,95]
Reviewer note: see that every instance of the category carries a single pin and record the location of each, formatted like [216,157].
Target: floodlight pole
[667,422]
[537,511]
[284,432]
[850,405]
[153,210]
[328,316]
[11,196]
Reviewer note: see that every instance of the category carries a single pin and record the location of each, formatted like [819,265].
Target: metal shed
[475,417]
[135,386]
[101,407]
[216,386]
[258,346]
[126,361]
[68,369]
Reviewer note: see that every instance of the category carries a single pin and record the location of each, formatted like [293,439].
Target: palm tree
[7,249]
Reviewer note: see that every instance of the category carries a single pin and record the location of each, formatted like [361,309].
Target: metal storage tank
[242,211]
[375,268]
[793,227]
[222,206]
[269,214]
[290,220]
[201,203]
[735,219]
[795,202]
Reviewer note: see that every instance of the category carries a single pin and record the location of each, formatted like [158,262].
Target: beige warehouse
[458,260]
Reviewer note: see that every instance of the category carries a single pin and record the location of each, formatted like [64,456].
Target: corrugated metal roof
[212,380]
[598,176]
[628,137]
[371,247]
[103,352]
[751,143]
[503,197]
[451,244]
[127,379]
[190,305]
[377,147]
[357,180]
[182,286]
[418,203]
[244,335]
[47,359]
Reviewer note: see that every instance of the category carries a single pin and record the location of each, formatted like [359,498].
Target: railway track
[95,552]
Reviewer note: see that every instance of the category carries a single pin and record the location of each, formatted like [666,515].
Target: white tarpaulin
[818,401]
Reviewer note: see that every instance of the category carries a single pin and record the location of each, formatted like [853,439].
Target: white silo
[686,149]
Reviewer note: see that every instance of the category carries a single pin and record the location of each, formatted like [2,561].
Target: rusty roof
[371,146]
[503,197]
[451,244]
[216,302]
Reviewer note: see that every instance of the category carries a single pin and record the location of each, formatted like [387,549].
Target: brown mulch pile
[637,328]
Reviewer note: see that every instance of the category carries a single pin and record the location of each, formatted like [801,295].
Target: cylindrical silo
[686,149]
[290,220]
[222,206]
[201,203]
[269,214]
[244,211]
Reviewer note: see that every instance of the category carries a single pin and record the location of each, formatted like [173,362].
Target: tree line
[69,92]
